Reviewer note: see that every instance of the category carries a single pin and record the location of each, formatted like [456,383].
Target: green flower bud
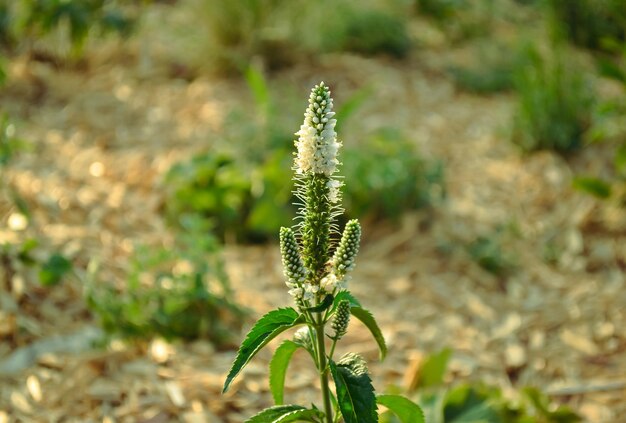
[345,255]
[294,270]
[341,319]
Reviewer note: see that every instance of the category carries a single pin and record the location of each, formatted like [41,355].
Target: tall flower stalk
[317,263]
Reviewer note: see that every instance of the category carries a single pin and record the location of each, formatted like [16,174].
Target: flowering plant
[317,269]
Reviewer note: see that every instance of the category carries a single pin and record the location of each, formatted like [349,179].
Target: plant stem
[332,348]
[323,369]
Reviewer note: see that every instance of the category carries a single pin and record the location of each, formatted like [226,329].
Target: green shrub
[554,105]
[610,126]
[243,194]
[18,258]
[73,18]
[179,292]
[215,186]
[478,402]
[225,37]
[440,10]
[459,19]
[389,177]
[371,32]
[488,252]
[492,69]
[588,22]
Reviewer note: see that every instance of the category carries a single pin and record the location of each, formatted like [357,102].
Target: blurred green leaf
[54,269]
[594,186]
[258,85]
[465,404]
[352,105]
[432,371]
[405,409]
[620,160]
[610,69]
[542,405]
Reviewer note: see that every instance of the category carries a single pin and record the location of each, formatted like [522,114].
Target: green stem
[332,348]
[323,369]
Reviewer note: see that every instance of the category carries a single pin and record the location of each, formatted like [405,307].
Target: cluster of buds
[294,270]
[341,319]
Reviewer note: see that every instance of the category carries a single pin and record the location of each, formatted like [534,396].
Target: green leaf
[54,269]
[368,320]
[467,404]
[345,295]
[620,160]
[406,410]
[542,404]
[355,393]
[612,70]
[278,368]
[258,85]
[264,330]
[326,302]
[594,186]
[286,413]
[433,369]
[352,104]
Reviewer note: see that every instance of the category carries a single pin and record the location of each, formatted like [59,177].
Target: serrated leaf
[285,414]
[406,410]
[355,393]
[278,368]
[263,331]
[368,320]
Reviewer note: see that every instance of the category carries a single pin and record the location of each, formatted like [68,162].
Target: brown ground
[102,140]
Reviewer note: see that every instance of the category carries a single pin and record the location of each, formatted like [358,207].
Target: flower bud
[294,270]
[341,319]
[303,337]
[345,255]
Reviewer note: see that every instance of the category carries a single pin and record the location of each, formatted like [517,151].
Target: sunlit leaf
[278,369]
[406,410]
[368,320]
[265,329]
[285,414]
[355,393]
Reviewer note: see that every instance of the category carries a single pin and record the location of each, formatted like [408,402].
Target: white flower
[329,283]
[317,140]
[334,192]
[296,293]
[309,291]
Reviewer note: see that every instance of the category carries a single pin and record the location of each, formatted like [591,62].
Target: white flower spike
[317,140]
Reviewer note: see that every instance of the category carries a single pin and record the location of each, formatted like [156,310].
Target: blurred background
[145,162]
